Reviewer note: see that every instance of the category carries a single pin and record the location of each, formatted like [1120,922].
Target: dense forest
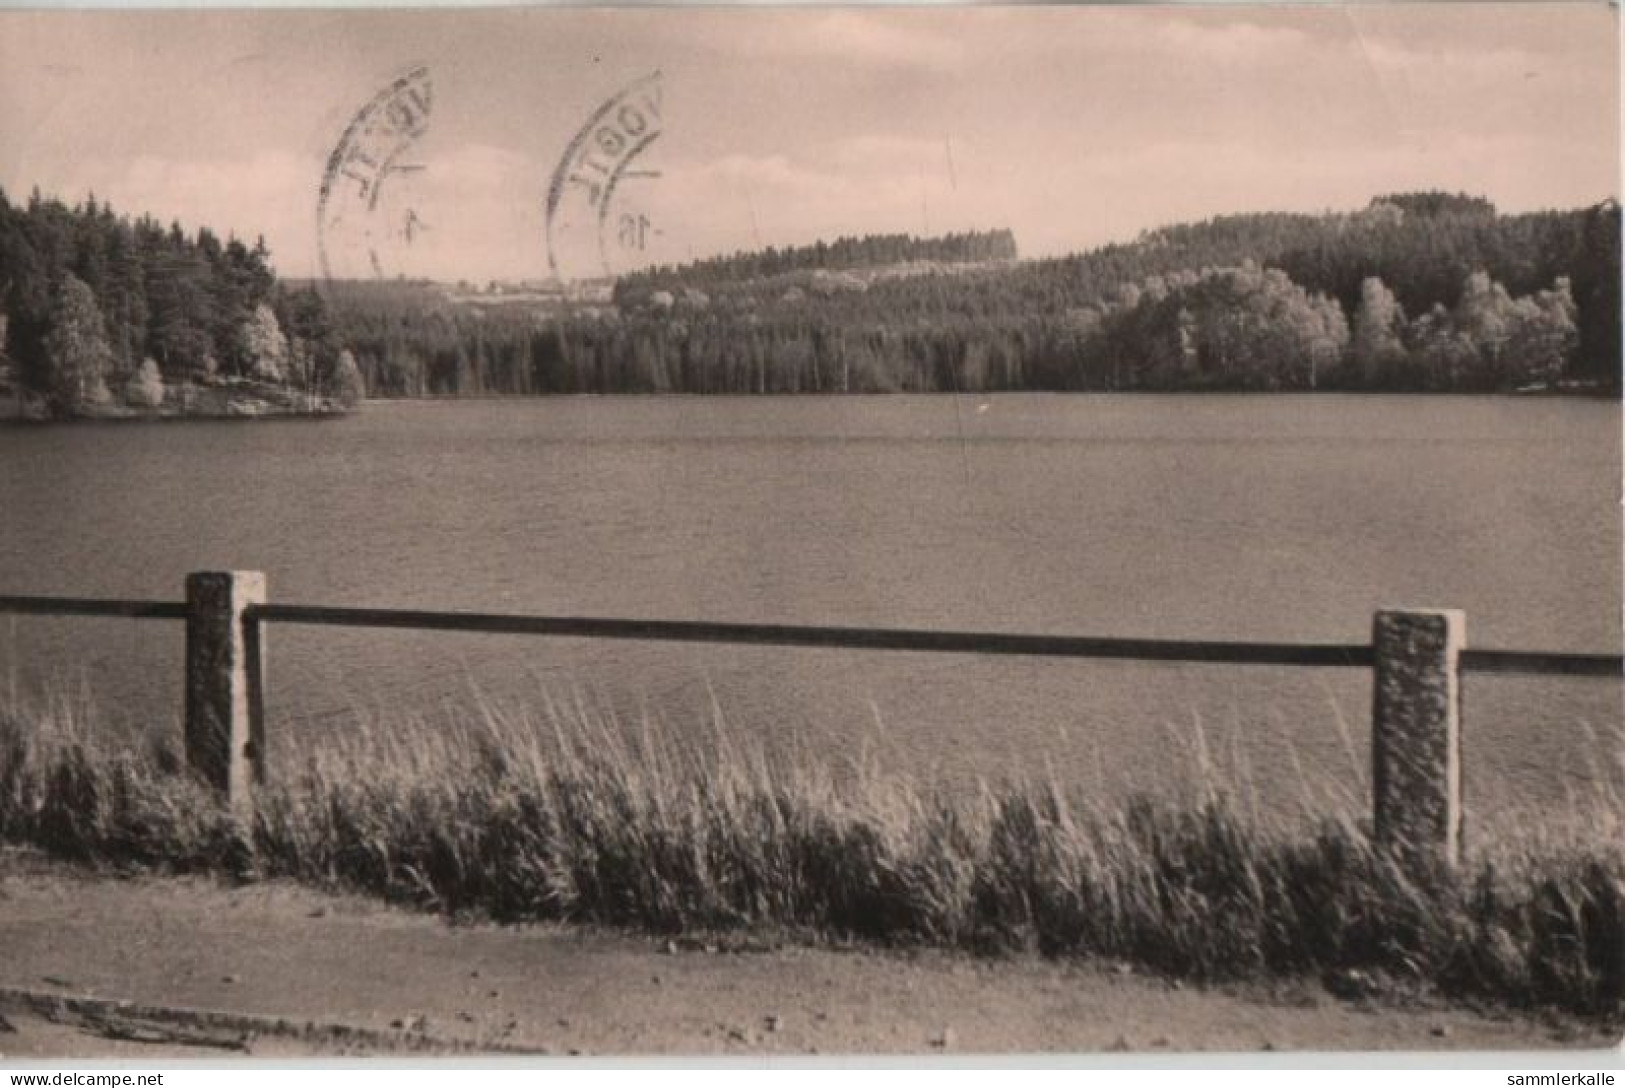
[869,251]
[1422,291]
[1418,291]
[99,312]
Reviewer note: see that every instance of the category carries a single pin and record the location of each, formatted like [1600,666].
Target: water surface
[1271,518]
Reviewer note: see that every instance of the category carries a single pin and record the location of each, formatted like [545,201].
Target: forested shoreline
[105,316]
[1417,292]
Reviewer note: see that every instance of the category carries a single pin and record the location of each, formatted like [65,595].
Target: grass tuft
[571,817]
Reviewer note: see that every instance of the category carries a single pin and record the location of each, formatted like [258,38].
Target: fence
[1418,656]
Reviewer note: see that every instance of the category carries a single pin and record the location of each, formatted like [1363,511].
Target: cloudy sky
[1073,126]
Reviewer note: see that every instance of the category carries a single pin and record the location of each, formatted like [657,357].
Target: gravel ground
[97,966]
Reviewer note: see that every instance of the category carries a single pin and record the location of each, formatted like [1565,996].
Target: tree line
[1421,291]
[98,308]
[867,251]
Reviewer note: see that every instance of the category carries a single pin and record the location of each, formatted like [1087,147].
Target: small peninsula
[107,317]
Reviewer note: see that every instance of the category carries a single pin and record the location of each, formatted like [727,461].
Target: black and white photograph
[785,533]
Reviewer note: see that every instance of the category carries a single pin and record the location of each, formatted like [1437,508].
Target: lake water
[1273,518]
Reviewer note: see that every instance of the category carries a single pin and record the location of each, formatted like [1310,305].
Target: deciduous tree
[263,348]
[76,349]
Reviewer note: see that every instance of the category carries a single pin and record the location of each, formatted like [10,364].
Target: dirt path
[348,975]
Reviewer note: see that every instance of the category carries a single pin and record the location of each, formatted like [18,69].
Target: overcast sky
[1073,126]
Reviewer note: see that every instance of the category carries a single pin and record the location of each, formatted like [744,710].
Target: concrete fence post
[225,719]
[1416,732]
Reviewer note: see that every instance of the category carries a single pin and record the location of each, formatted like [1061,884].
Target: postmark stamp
[367,213]
[601,218]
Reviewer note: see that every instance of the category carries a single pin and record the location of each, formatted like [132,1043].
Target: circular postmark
[367,214]
[601,218]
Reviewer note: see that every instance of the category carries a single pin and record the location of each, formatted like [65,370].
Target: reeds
[567,815]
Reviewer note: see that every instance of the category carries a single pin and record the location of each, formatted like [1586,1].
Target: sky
[1072,126]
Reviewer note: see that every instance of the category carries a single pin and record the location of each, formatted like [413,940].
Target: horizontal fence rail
[1324,655]
[1533,663]
[1177,650]
[79,606]
[846,638]
[1416,658]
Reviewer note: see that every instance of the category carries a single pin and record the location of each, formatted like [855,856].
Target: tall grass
[567,815]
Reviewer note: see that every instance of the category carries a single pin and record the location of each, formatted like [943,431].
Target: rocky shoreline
[232,399]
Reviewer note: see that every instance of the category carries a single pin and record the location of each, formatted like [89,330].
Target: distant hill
[855,254]
[1416,291]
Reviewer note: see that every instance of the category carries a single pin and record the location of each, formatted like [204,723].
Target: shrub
[145,389]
